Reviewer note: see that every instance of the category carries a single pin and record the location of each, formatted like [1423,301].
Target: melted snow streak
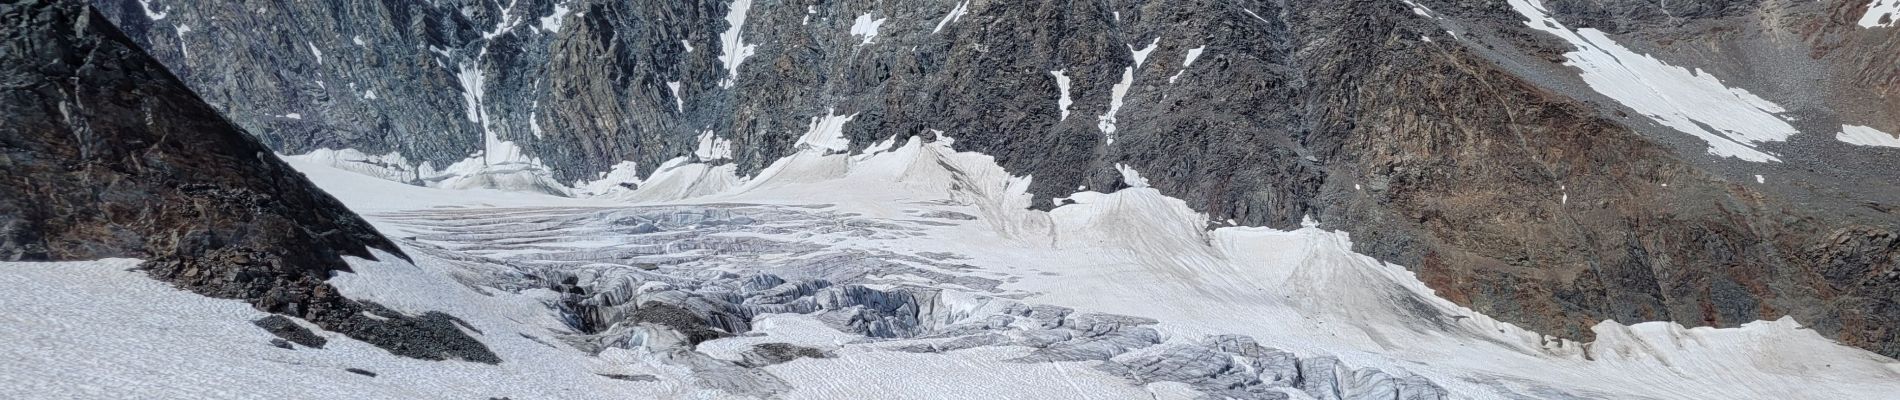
[955,14]
[834,274]
[552,22]
[712,148]
[866,28]
[1866,136]
[1106,122]
[1062,87]
[155,15]
[733,47]
[1192,55]
[827,132]
[1731,120]
[1881,13]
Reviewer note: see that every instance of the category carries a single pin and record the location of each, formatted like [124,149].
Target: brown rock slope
[1543,210]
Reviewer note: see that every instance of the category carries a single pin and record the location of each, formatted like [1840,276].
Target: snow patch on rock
[155,15]
[679,103]
[732,45]
[182,48]
[712,148]
[552,22]
[955,14]
[827,132]
[1062,88]
[1881,13]
[1866,136]
[622,177]
[1192,55]
[1731,120]
[865,27]
[1141,55]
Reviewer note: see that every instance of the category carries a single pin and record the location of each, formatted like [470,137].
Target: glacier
[907,270]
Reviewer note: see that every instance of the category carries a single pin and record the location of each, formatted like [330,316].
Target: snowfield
[908,271]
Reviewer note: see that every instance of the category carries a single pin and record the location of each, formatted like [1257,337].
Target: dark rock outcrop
[764,354]
[106,154]
[288,330]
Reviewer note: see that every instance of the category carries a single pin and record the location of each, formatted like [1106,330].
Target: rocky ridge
[110,155]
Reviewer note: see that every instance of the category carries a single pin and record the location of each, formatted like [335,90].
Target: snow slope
[1137,252]
[129,336]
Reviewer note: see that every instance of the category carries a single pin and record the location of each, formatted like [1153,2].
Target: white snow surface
[1135,252]
[182,48]
[712,148]
[1421,10]
[552,22]
[1106,122]
[1877,10]
[507,22]
[1731,120]
[679,103]
[470,76]
[615,180]
[732,46]
[1062,86]
[827,132]
[1131,177]
[1141,55]
[509,170]
[866,27]
[501,164]
[1866,136]
[392,166]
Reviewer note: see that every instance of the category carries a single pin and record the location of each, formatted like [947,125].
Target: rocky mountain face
[1550,163]
[109,155]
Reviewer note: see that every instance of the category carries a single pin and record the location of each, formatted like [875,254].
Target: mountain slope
[1485,143]
[109,155]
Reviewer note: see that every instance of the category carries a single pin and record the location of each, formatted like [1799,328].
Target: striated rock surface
[107,154]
